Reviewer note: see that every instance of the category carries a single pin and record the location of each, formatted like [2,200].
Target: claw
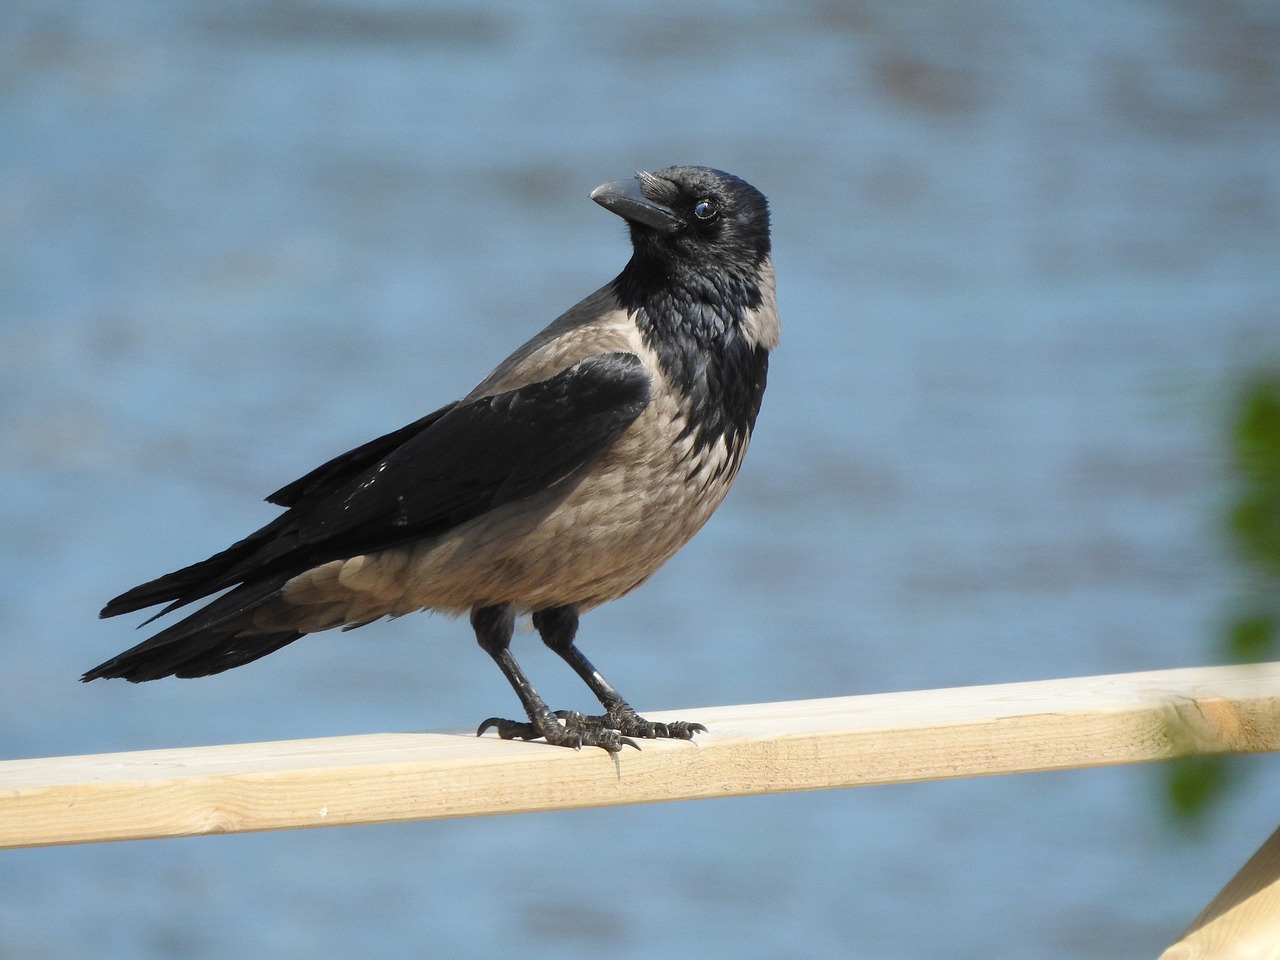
[510,729]
[683,730]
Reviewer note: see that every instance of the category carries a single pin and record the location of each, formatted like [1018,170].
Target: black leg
[494,626]
[558,627]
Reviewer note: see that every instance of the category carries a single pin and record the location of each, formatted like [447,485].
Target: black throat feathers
[696,324]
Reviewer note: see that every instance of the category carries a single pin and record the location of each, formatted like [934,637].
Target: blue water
[1024,254]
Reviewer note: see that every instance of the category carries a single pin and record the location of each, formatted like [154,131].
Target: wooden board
[758,748]
[1243,921]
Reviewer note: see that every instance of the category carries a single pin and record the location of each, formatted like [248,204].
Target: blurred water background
[1025,253]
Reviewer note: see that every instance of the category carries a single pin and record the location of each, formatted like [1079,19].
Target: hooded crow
[564,479]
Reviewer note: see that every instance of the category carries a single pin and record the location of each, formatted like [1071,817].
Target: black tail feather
[170,587]
[209,653]
[213,639]
[253,556]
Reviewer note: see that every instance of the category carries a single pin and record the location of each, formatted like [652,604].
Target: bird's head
[692,216]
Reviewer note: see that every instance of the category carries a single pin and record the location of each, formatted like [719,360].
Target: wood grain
[1243,921]
[757,748]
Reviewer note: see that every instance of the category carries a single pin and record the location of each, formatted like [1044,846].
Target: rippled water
[1023,254]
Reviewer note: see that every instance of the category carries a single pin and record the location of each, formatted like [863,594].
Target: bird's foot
[610,731]
[622,718]
[564,729]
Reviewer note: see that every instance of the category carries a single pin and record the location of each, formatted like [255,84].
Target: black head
[692,215]
[699,288]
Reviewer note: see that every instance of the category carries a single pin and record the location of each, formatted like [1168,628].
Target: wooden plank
[1243,921]
[759,748]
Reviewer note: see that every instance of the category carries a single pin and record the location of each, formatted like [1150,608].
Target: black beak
[627,200]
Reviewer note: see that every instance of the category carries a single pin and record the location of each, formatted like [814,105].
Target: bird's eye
[705,210]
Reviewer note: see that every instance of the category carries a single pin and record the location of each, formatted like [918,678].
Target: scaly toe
[566,728]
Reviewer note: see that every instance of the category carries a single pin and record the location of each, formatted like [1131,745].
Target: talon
[627,741]
[685,731]
[510,729]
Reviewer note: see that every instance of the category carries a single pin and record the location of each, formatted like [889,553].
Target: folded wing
[449,467]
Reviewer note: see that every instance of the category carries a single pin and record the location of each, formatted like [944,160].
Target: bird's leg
[558,627]
[494,626]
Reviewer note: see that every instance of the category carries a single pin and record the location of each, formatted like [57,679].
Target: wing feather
[447,468]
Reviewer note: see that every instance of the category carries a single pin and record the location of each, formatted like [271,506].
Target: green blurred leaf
[1252,639]
[1195,784]
[1255,523]
[1254,518]
[1257,431]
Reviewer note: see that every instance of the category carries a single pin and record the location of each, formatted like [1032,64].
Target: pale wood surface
[1243,921]
[758,748]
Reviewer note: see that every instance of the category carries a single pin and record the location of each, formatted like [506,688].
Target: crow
[564,479]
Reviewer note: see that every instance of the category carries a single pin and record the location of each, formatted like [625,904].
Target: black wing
[459,463]
[481,455]
[334,473]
